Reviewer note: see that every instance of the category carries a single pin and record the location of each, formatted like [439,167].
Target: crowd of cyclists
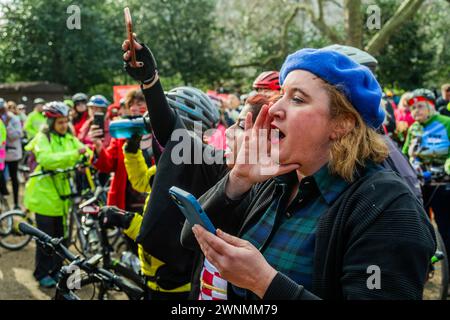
[358,173]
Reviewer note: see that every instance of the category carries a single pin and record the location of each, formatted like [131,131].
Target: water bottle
[126,128]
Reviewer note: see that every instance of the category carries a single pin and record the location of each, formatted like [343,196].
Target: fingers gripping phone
[129,26]
[99,120]
[191,208]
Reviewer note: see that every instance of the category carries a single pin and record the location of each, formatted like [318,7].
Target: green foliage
[181,34]
[203,43]
[409,58]
[37,45]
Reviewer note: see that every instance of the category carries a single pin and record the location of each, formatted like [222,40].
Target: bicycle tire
[4,205]
[12,218]
[437,287]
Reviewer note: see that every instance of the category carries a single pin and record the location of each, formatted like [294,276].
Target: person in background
[110,158]
[113,112]
[13,147]
[22,113]
[267,83]
[80,111]
[11,106]
[19,111]
[3,189]
[122,107]
[69,103]
[55,147]
[216,137]
[35,119]
[443,102]
[403,118]
[97,104]
[428,146]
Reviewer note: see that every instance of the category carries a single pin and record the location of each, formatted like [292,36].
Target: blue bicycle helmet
[98,101]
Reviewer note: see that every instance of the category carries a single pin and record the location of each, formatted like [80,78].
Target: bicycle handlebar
[134,292]
[28,229]
[80,164]
[46,239]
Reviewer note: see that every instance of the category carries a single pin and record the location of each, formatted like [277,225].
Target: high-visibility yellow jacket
[139,175]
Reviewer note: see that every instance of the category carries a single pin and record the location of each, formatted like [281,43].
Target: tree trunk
[353,23]
[406,11]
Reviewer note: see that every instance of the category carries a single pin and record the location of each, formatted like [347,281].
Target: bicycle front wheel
[11,237]
[437,283]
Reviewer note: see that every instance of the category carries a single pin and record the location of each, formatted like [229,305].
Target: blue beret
[355,81]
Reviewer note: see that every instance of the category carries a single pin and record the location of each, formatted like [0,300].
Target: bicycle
[436,285]
[91,209]
[11,237]
[73,219]
[67,285]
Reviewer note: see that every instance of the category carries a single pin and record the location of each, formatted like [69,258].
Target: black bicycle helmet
[357,55]
[192,105]
[56,109]
[80,97]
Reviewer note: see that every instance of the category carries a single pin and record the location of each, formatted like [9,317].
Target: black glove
[133,144]
[114,217]
[145,74]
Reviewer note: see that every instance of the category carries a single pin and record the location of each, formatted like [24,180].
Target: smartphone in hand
[129,27]
[99,120]
[191,208]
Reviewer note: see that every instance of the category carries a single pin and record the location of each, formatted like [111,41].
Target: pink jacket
[217,140]
[402,114]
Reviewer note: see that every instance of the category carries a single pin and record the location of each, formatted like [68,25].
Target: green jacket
[33,123]
[2,144]
[42,193]
[2,133]
[431,139]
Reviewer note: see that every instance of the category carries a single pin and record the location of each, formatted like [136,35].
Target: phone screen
[129,26]
[99,120]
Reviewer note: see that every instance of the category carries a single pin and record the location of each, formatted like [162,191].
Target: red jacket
[111,159]
[84,130]
[79,124]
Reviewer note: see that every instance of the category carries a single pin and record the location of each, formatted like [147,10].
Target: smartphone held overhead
[129,27]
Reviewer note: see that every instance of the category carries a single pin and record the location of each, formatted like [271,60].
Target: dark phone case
[99,120]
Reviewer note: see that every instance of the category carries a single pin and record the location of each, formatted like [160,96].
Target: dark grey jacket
[377,221]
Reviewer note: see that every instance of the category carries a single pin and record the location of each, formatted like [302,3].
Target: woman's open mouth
[276,135]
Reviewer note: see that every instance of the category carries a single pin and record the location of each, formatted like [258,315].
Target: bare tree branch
[337,4]
[405,11]
[320,24]
[283,45]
